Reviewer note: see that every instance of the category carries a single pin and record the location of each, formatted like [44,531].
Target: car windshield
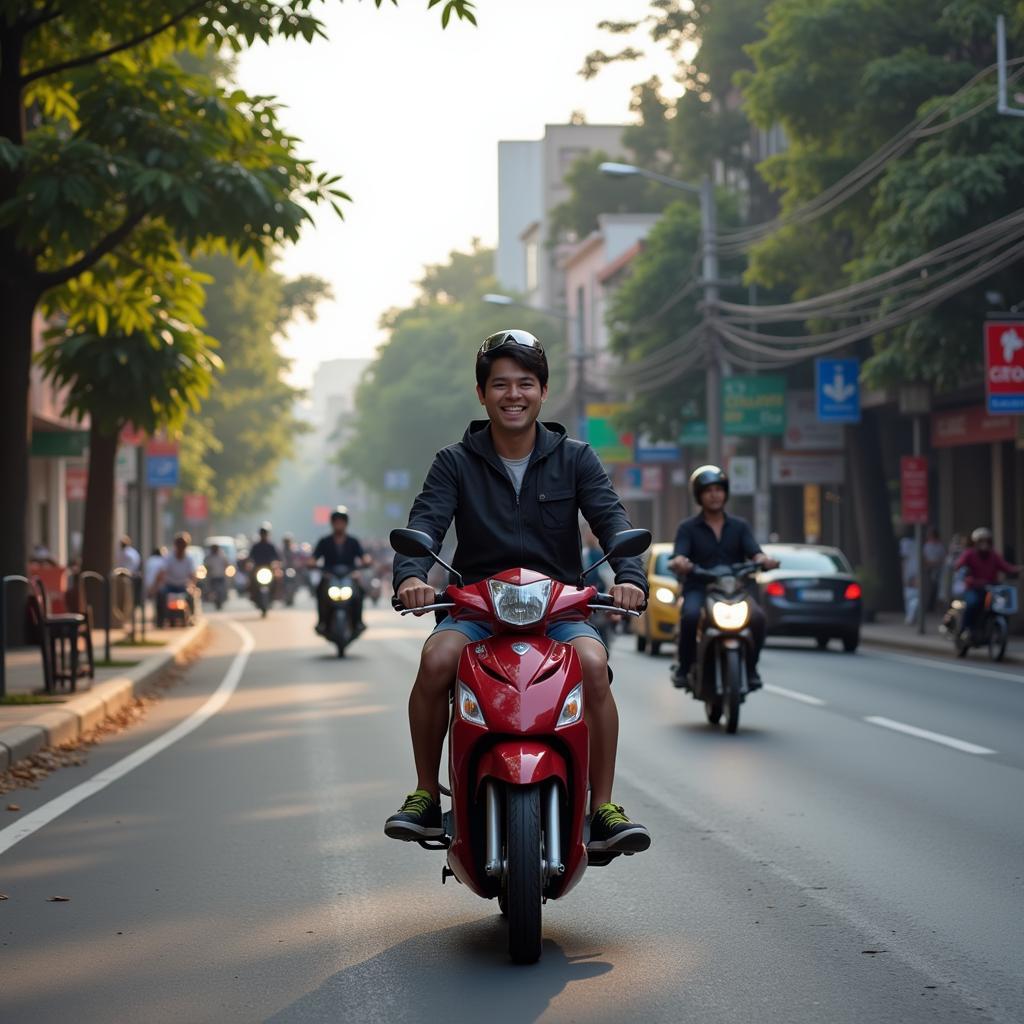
[820,562]
[661,564]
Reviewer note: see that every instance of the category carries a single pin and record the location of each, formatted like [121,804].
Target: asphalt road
[815,867]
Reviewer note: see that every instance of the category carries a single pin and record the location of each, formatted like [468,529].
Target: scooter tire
[997,637]
[524,886]
[713,709]
[732,669]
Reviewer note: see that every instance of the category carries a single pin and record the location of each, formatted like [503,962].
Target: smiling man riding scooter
[515,488]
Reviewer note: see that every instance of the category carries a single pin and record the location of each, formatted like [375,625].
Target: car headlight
[229,572]
[201,572]
[339,593]
[572,709]
[520,605]
[469,706]
[665,595]
[264,576]
[730,616]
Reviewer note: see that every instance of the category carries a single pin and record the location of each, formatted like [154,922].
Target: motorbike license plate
[816,595]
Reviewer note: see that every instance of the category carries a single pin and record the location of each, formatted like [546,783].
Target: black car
[813,593]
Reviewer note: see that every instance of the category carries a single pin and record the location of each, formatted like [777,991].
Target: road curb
[62,723]
[935,651]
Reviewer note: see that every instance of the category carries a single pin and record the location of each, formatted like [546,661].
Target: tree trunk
[870,499]
[16,310]
[98,536]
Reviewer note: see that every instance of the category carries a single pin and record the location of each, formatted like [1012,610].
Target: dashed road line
[927,734]
[804,698]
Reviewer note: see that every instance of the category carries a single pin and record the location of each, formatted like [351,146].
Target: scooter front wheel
[732,667]
[997,636]
[713,709]
[524,887]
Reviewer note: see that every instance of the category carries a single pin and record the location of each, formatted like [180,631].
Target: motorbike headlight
[337,593]
[730,616]
[201,572]
[264,576]
[229,572]
[572,709]
[290,573]
[469,706]
[520,605]
[665,595]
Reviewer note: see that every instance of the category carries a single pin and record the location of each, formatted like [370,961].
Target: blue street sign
[396,480]
[161,470]
[649,450]
[837,390]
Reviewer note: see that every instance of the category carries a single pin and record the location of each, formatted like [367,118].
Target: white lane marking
[960,669]
[804,698]
[35,820]
[925,734]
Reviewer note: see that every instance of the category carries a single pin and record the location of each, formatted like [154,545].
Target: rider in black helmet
[706,540]
[339,551]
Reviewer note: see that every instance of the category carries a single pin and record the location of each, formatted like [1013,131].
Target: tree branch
[45,279]
[91,58]
[48,13]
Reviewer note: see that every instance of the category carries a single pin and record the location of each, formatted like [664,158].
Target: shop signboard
[914,490]
[611,444]
[652,479]
[804,431]
[76,482]
[648,449]
[754,405]
[970,425]
[807,468]
[812,513]
[1004,366]
[68,444]
[321,515]
[195,508]
[742,471]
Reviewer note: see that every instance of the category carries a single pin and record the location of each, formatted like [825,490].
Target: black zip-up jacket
[538,530]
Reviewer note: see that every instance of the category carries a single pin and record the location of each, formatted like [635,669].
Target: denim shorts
[475,631]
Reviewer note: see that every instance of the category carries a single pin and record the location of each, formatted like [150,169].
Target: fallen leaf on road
[14,807]
[873,952]
[59,899]
[4,896]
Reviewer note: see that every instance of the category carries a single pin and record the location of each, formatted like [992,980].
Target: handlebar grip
[399,607]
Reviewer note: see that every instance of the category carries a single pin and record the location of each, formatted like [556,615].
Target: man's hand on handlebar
[628,596]
[681,565]
[414,593]
[765,562]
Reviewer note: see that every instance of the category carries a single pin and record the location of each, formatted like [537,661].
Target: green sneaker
[612,832]
[418,818]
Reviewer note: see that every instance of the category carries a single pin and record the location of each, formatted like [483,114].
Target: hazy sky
[411,117]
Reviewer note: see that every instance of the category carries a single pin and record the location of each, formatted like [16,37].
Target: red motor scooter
[518,748]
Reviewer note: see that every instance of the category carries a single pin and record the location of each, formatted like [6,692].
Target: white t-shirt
[128,558]
[216,564]
[908,555]
[178,572]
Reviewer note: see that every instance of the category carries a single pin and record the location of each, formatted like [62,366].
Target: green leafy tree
[247,424]
[418,395]
[150,377]
[111,149]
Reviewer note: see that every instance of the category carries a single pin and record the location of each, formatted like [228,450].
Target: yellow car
[660,623]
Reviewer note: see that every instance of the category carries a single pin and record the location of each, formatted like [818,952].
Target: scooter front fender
[520,762]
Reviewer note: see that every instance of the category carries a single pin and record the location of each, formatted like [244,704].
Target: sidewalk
[889,630]
[26,728]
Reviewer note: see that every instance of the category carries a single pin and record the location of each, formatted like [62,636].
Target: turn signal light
[775,589]
[853,592]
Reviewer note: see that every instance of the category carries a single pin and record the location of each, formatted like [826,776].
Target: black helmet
[705,476]
[341,512]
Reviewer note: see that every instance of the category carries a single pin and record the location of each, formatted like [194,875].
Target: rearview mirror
[412,543]
[630,543]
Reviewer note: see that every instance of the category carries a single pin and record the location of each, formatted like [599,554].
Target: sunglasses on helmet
[503,338]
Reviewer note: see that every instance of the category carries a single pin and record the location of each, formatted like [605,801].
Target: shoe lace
[416,803]
[611,815]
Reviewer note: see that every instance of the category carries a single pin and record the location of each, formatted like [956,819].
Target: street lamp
[709,230]
[576,352]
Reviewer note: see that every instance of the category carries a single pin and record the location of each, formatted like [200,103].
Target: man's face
[712,499]
[179,548]
[340,528]
[984,546]
[513,396]
[264,535]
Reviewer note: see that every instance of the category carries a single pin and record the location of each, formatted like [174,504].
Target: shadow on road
[454,974]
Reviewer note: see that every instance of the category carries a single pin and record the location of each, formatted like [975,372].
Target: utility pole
[713,377]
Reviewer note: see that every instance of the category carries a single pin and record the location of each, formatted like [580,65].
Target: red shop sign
[970,425]
[914,489]
[195,508]
[76,482]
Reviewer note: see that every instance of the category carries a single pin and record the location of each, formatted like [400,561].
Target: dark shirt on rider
[347,553]
[983,568]
[263,552]
[697,541]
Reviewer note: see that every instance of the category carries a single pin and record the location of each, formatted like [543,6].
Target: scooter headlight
[201,572]
[520,604]
[339,593]
[730,616]
[469,707]
[665,595]
[572,709]
[264,576]
[229,572]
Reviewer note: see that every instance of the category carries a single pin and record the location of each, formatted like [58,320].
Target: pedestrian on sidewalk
[947,589]
[911,578]
[128,557]
[934,560]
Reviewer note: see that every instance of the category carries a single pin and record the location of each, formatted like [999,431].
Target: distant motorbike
[992,627]
[342,588]
[173,608]
[724,638]
[263,580]
[290,585]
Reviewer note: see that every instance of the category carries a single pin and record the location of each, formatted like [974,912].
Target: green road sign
[754,405]
[610,443]
[59,443]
